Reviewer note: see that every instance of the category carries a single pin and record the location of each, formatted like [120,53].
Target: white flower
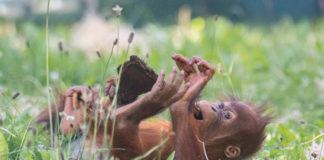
[117,9]
[315,151]
[54,76]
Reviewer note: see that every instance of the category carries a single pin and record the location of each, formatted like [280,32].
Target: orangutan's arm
[187,144]
[129,116]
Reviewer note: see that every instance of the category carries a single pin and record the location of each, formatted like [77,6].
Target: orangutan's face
[220,119]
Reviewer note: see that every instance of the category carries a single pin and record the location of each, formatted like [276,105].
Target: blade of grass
[23,139]
[152,149]
[1,128]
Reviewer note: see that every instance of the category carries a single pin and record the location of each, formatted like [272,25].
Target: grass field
[282,65]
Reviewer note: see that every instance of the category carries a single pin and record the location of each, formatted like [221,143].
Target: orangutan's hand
[198,80]
[166,93]
[110,87]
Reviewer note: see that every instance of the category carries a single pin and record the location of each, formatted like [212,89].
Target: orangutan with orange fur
[199,130]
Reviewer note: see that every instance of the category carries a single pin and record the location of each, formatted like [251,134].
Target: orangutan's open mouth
[197,113]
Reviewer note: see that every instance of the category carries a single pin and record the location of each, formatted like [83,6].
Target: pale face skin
[218,119]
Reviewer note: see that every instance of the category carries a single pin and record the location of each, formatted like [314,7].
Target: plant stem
[95,129]
[47,75]
[127,49]
[106,66]
[118,27]
[116,91]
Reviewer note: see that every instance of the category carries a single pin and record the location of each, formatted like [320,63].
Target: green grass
[280,64]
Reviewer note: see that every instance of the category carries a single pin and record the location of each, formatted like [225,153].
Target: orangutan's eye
[227,116]
[221,106]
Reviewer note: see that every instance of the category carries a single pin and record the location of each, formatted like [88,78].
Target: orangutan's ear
[232,151]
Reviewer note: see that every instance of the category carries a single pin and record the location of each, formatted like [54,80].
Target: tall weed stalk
[47,75]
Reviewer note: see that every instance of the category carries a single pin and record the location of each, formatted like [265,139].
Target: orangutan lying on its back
[199,130]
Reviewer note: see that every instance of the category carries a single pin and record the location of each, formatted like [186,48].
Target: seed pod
[314,155]
[101,156]
[98,54]
[29,144]
[116,41]
[302,121]
[131,37]
[33,130]
[216,17]
[61,155]
[27,44]
[15,95]
[60,46]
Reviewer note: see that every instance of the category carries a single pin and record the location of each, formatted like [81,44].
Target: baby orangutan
[200,130]
[213,130]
